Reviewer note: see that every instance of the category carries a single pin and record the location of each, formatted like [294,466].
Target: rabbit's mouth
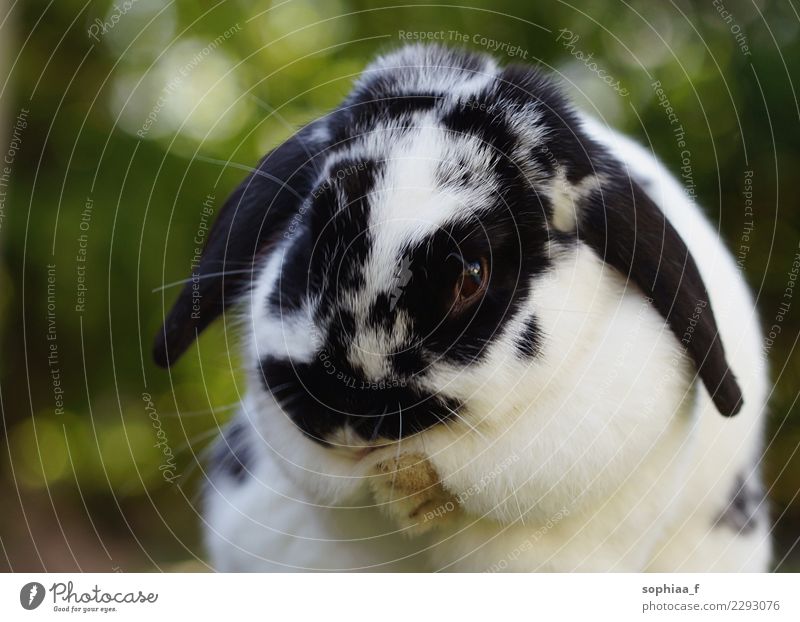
[325,405]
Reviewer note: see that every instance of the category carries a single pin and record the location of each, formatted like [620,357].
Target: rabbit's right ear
[610,212]
[594,197]
[632,234]
[250,222]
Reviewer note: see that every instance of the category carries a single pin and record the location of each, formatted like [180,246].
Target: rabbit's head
[428,255]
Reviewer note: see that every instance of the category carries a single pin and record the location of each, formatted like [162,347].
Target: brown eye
[471,283]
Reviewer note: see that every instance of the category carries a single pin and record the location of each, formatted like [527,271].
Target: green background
[82,488]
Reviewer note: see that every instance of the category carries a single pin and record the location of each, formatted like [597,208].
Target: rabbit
[481,331]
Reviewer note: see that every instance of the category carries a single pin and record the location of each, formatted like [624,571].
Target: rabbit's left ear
[249,224]
[627,230]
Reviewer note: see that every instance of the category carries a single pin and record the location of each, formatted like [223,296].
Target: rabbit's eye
[471,283]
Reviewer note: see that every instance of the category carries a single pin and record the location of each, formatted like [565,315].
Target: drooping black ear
[249,223]
[594,197]
[623,225]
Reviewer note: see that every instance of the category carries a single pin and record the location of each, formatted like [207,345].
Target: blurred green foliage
[225,82]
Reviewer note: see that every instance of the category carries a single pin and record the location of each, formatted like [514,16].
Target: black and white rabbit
[482,332]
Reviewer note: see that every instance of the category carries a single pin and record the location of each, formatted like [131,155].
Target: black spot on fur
[408,360]
[371,108]
[529,342]
[543,159]
[380,313]
[746,505]
[341,331]
[481,118]
[328,394]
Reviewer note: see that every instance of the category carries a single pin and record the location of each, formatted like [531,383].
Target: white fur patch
[566,198]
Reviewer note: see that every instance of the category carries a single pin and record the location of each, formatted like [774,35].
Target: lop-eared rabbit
[481,331]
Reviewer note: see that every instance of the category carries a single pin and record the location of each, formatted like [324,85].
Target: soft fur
[600,409]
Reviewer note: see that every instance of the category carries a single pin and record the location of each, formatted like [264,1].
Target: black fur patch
[478,117]
[512,238]
[326,395]
[327,255]
[564,145]
[745,507]
[363,113]
[529,343]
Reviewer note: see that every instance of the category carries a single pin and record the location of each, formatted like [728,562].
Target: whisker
[467,423]
[561,310]
[376,431]
[228,261]
[280,388]
[252,171]
[199,277]
[285,402]
[198,413]
[203,436]
[519,507]
[397,455]
[443,421]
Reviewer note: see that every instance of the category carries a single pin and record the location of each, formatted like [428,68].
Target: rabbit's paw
[409,491]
